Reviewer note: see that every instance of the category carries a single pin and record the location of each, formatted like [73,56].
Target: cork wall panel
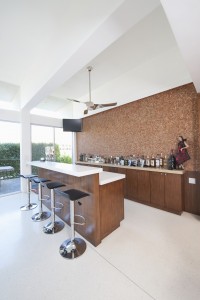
[147,126]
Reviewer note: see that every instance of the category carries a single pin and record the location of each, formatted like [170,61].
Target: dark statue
[182,152]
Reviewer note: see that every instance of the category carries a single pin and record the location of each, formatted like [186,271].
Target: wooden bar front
[103,209]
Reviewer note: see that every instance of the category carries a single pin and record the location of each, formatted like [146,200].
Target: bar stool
[53,226]
[73,247]
[29,205]
[41,215]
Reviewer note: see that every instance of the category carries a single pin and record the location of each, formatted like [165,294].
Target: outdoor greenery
[38,151]
[10,156]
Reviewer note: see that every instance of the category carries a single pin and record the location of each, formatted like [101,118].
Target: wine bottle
[153,161]
[147,163]
[172,161]
[165,163]
[161,161]
[157,161]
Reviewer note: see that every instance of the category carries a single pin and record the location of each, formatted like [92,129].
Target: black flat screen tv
[73,125]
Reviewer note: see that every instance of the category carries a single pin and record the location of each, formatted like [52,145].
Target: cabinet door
[110,169]
[144,186]
[123,171]
[173,192]
[131,184]
[157,189]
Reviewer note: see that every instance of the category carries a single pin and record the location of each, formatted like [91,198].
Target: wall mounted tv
[73,125]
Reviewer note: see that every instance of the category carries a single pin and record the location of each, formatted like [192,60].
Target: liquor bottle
[161,161]
[126,161]
[172,161]
[121,159]
[142,161]
[147,163]
[153,164]
[138,160]
[157,161]
[165,162]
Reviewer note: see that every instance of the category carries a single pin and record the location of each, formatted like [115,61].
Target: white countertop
[69,169]
[161,170]
[78,171]
[108,177]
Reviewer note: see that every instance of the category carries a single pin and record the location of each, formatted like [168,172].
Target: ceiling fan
[91,105]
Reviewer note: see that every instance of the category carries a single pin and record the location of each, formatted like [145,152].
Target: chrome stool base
[28,206]
[41,216]
[52,228]
[72,249]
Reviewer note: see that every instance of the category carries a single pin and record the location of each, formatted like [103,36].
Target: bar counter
[103,209]
[149,169]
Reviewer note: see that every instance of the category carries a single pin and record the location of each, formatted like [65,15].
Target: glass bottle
[165,162]
[153,161]
[161,161]
[172,161]
[157,161]
[147,163]
[121,160]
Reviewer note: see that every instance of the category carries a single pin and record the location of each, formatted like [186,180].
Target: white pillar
[25,146]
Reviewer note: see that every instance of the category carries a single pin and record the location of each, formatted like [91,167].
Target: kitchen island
[103,209]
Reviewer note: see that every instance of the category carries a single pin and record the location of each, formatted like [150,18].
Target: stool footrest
[57,208]
[82,218]
[46,198]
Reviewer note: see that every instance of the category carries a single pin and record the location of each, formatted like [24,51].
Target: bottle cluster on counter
[152,161]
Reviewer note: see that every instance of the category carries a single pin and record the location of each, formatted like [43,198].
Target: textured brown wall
[147,126]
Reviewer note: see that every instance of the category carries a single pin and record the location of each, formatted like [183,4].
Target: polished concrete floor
[11,185]
[153,255]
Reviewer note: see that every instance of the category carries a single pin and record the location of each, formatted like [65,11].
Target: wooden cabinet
[166,191]
[110,169]
[138,185]
[143,186]
[157,189]
[111,206]
[131,184]
[123,171]
[173,193]
[120,171]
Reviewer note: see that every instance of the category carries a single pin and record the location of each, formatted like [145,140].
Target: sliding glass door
[9,157]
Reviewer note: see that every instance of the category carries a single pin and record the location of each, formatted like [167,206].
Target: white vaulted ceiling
[47,45]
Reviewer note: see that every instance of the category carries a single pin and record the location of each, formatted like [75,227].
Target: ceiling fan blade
[89,104]
[105,105]
[74,100]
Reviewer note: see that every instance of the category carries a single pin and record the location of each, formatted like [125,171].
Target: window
[63,146]
[51,143]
